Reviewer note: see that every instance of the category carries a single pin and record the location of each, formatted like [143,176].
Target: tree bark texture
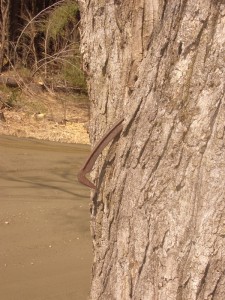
[158,215]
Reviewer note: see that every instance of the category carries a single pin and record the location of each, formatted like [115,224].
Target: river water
[45,244]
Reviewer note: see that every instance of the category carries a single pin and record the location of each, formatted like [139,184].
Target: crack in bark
[154,249]
[183,267]
[194,45]
[164,9]
[213,293]
[202,282]
[163,152]
[140,269]
[211,126]
[132,117]
[212,32]
[181,288]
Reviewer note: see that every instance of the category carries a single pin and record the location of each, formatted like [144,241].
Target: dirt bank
[53,117]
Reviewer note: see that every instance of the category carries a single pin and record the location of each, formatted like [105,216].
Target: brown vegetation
[41,74]
[55,117]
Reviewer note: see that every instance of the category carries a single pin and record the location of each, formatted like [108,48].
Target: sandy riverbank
[60,118]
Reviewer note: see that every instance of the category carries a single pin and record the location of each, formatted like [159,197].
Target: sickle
[102,143]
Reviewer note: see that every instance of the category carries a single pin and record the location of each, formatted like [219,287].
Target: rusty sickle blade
[107,137]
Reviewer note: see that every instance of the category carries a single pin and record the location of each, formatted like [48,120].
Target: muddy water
[45,247]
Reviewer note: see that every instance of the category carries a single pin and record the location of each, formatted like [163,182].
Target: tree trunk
[158,215]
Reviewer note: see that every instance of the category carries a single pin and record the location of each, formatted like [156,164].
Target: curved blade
[103,142]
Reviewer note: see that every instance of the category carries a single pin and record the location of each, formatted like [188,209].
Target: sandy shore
[45,250]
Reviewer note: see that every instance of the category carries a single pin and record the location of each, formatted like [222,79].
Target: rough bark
[158,215]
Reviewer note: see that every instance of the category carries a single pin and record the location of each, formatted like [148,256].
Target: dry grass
[23,120]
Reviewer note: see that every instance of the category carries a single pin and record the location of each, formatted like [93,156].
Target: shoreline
[51,126]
